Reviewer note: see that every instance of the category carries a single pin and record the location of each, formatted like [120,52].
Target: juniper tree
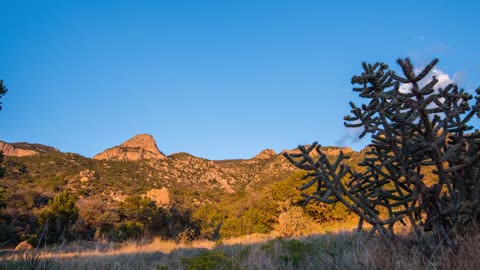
[58,217]
[416,128]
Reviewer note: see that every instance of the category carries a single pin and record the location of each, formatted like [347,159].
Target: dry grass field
[326,250]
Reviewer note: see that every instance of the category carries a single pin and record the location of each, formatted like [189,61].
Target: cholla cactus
[416,129]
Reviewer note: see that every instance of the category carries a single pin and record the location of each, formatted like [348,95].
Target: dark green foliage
[210,260]
[8,235]
[416,130]
[179,225]
[137,214]
[211,219]
[295,252]
[290,253]
[322,212]
[129,230]
[251,221]
[57,218]
[3,91]
[97,218]
[2,170]
[138,208]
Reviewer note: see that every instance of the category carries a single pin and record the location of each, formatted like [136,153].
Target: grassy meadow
[329,248]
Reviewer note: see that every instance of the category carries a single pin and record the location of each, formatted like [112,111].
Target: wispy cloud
[350,136]
[442,77]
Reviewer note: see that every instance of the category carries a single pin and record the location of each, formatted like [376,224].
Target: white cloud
[350,136]
[442,77]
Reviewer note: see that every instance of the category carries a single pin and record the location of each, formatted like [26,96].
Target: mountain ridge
[20,149]
[143,147]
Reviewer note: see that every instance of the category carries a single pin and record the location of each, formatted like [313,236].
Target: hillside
[131,172]
[180,181]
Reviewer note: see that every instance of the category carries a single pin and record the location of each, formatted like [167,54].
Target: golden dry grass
[340,250]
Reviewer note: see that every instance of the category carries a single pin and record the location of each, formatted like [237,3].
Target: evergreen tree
[57,218]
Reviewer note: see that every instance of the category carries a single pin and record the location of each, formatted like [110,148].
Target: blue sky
[218,79]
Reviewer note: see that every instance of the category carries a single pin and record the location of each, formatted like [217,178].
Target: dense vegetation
[38,205]
[111,202]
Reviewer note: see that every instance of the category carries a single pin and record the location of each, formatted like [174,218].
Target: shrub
[251,221]
[129,230]
[293,222]
[140,210]
[209,260]
[57,218]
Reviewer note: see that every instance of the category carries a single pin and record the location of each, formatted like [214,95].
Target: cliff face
[24,149]
[140,147]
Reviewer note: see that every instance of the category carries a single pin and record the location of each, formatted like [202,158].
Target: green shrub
[294,252]
[57,218]
[209,260]
[129,230]
[251,221]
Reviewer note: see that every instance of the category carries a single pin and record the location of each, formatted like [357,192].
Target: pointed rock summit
[140,147]
[265,154]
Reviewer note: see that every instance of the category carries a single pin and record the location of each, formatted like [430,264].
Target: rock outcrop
[24,149]
[140,147]
[24,246]
[265,154]
[159,196]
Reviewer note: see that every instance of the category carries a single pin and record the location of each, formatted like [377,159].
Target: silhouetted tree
[415,127]
[3,91]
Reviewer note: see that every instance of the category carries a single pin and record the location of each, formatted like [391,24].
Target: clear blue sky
[218,79]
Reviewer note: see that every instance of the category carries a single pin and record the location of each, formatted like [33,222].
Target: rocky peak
[265,154]
[140,147]
[144,141]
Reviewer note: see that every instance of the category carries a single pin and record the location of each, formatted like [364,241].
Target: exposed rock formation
[265,154]
[24,246]
[159,196]
[24,149]
[87,175]
[335,151]
[140,147]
